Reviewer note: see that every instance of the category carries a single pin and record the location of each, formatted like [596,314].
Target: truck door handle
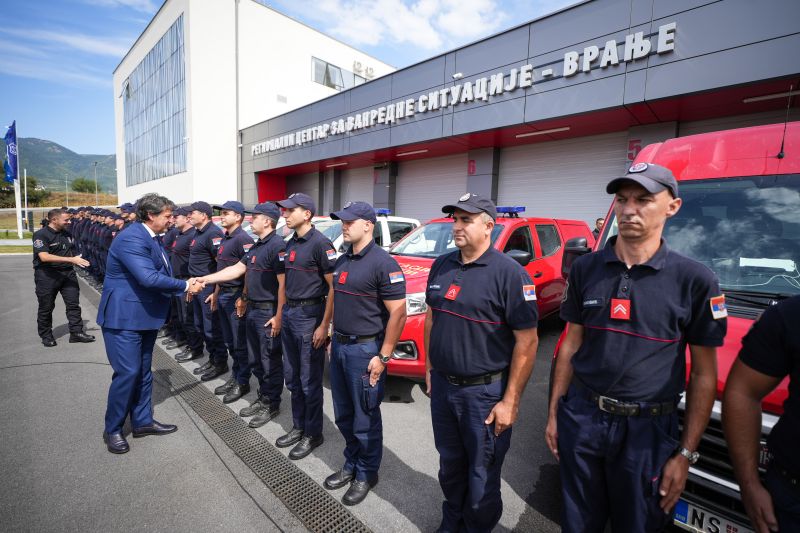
[537,275]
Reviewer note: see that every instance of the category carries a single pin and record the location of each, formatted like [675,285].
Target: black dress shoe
[357,492]
[338,479]
[305,446]
[237,391]
[116,443]
[264,416]
[258,405]
[49,342]
[187,355]
[225,387]
[202,369]
[163,332]
[155,428]
[293,437]
[81,337]
[175,344]
[214,372]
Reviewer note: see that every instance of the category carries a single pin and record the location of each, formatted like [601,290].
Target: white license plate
[695,518]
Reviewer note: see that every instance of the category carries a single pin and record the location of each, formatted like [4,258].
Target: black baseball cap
[472,203]
[299,199]
[203,207]
[355,211]
[267,208]
[182,211]
[232,205]
[654,178]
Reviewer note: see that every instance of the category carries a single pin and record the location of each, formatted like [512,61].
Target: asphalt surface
[58,476]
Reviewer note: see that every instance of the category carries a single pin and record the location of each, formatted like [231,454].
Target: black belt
[484,379]
[229,289]
[262,305]
[624,408]
[308,301]
[353,339]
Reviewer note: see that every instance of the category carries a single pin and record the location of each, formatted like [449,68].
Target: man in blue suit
[134,305]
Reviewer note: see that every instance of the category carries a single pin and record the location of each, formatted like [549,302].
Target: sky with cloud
[57,56]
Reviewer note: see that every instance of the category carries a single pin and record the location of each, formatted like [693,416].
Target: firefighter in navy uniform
[369,312]
[481,339]
[179,258]
[309,261]
[770,352]
[53,261]
[632,308]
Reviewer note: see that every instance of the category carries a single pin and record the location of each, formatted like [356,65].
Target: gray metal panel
[425,185]
[510,46]
[411,132]
[292,121]
[369,141]
[641,11]
[730,67]
[306,183]
[357,184]
[576,25]
[635,84]
[489,116]
[254,133]
[664,8]
[730,24]
[290,157]
[261,164]
[327,149]
[600,94]
[506,95]
[418,78]
[323,110]
[372,93]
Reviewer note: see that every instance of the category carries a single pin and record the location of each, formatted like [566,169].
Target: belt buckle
[603,400]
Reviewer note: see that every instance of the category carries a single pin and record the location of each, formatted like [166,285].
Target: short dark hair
[152,204]
[55,213]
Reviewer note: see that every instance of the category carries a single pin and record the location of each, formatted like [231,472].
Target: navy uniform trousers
[611,466]
[470,455]
[131,355]
[785,499]
[186,329]
[233,333]
[303,365]
[50,282]
[265,355]
[357,407]
[207,322]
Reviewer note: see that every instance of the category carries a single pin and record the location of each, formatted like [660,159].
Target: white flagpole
[17,200]
[25,185]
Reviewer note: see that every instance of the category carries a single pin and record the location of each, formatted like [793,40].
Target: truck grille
[713,449]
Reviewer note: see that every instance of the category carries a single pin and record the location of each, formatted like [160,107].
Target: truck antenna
[781,155]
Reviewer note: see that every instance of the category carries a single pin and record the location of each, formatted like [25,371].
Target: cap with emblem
[654,178]
[355,211]
[202,207]
[299,199]
[473,203]
[267,208]
[232,205]
[181,212]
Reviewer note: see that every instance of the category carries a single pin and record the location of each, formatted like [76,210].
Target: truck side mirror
[520,256]
[574,248]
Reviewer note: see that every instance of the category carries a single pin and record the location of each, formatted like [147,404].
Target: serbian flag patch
[216,240]
[331,254]
[529,292]
[281,256]
[718,308]
[396,277]
[247,247]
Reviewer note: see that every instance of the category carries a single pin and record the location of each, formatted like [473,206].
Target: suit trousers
[131,355]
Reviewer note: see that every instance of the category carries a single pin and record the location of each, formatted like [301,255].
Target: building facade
[200,73]
[541,115]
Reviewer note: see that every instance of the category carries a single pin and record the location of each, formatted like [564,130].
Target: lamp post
[66,188]
[95,183]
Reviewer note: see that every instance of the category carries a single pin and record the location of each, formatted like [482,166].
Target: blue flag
[10,164]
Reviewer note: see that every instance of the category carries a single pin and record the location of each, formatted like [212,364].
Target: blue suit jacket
[138,284]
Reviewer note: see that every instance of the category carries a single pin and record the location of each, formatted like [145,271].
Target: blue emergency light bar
[509,209]
[383,211]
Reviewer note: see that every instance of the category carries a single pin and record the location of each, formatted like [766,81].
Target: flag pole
[25,187]
[16,195]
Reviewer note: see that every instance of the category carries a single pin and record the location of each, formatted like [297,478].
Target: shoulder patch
[331,254]
[247,247]
[38,243]
[396,277]
[216,240]
[281,256]
[529,292]
[718,308]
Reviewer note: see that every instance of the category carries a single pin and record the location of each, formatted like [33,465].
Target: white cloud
[42,70]
[145,6]
[112,47]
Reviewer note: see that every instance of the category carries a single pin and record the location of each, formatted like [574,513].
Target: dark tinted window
[548,239]
[520,240]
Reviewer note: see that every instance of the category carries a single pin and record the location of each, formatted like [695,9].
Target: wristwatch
[385,358]
[692,457]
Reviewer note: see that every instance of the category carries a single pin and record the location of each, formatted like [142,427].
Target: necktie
[160,243]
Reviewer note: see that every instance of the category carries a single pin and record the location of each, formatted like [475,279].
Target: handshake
[196,285]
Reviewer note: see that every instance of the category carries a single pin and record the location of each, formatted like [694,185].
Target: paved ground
[14,242]
[57,475]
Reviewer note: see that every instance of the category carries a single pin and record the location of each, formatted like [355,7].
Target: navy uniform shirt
[53,242]
[203,250]
[476,308]
[361,282]
[234,246]
[772,347]
[308,259]
[264,261]
[638,321]
[169,238]
[179,253]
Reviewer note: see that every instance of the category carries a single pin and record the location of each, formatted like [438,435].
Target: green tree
[36,198]
[84,185]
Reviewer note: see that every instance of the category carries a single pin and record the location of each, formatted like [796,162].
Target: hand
[320,336]
[80,261]
[189,296]
[428,382]
[241,307]
[375,370]
[212,301]
[275,322]
[758,504]
[551,436]
[673,480]
[503,414]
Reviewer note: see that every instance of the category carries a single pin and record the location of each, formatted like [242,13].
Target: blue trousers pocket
[371,397]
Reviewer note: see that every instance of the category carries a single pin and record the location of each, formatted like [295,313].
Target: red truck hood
[415,270]
[726,355]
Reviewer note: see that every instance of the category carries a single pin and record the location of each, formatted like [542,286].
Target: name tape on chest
[529,292]
[718,308]
[620,309]
[396,277]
